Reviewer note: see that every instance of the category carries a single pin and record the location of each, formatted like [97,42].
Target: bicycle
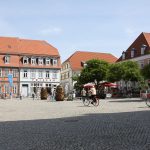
[88,100]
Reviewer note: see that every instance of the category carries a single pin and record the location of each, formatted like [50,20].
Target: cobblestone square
[116,124]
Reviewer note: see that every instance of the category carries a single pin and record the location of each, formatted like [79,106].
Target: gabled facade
[75,63]
[33,63]
[138,51]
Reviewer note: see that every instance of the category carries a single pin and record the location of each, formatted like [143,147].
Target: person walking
[83,94]
[33,95]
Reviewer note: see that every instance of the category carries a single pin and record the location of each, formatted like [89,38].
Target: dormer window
[143,47]
[25,60]
[33,61]
[47,61]
[40,61]
[123,55]
[132,52]
[7,59]
[53,62]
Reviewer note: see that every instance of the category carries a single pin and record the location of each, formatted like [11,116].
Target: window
[6,72]
[25,60]
[55,62]
[6,88]
[25,74]
[14,72]
[143,47]
[33,61]
[54,75]
[123,55]
[7,59]
[47,61]
[14,89]
[40,74]
[47,74]
[132,52]
[0,72]
[32,73]
[40,61]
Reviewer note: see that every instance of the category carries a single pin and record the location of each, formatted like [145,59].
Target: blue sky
[88,25]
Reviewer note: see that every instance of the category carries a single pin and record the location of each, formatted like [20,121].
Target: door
[24,90]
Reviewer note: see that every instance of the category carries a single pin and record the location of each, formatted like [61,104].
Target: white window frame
[123,56]
[15,89]
[25,74]
[47,74]
[132,53]
[54,62]
[6,88]
[25,59]
[7,59]
[33,61]
[15,72]
[54,75]
[32,74]
[40,74]
[40,61]
[6,71]
[47,61]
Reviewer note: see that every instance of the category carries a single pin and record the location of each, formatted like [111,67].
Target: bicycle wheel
[148,102]
[86,102]
[96,103]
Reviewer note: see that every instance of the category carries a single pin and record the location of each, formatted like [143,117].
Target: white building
[33,63]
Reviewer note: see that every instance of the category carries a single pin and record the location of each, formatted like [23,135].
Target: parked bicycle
[89,100]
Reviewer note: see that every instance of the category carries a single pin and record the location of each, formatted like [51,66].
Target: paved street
[116,124]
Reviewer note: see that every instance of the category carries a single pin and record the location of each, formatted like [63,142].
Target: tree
[95,70]
[131,71]
[115,72]
[146,71]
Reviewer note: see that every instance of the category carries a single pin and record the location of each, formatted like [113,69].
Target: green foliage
[95,70]
[59,93]
[146,71]
[115,72]
[131,71]
[43,94]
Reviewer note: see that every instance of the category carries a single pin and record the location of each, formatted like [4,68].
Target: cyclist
[93,93]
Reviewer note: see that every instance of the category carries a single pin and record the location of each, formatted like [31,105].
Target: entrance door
[24,90]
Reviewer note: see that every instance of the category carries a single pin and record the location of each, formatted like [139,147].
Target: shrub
[59,93]
[43,94]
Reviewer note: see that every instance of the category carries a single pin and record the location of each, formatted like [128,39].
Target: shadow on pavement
[110,131]
[127,100]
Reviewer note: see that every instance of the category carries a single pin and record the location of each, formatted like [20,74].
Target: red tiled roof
[143,38]
[79,56]
[12,45]
[16,47]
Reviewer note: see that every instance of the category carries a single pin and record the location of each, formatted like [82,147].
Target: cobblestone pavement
[117,124]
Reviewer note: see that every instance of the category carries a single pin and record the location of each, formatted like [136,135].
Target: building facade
[138,51]
[32,63]
[75,63]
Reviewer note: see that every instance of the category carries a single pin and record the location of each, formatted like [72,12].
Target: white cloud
[51,31]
